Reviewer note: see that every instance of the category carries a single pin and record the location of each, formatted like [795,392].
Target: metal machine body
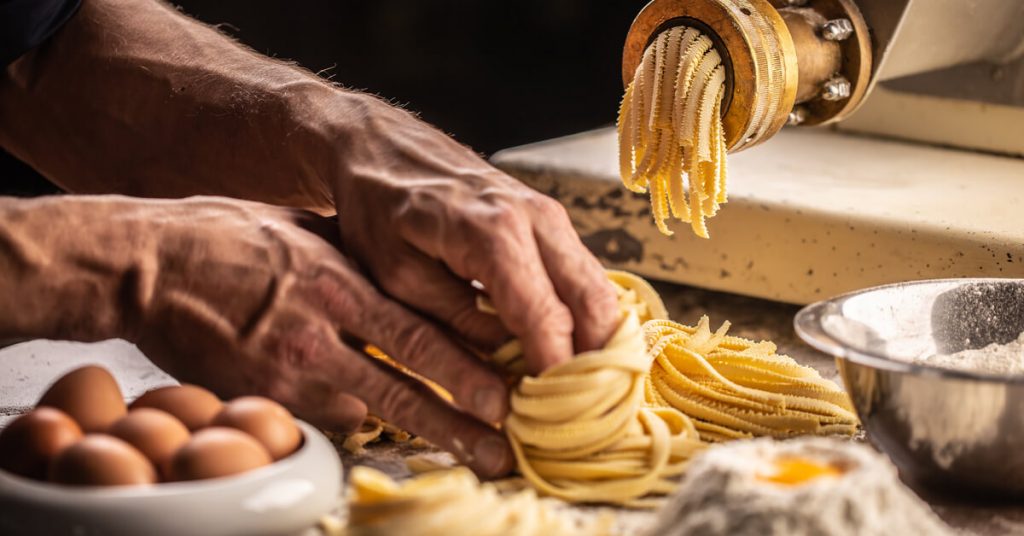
[950,73]
[814,62]
[933,190]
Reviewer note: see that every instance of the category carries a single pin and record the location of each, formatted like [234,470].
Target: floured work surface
[753,319]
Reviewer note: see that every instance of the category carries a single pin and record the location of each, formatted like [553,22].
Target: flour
[722,494]
[946,426]
[1001,359]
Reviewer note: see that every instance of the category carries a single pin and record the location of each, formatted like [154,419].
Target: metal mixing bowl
[954,429]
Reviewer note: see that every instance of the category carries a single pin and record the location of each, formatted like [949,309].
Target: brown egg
[214,452]
[265,420]
[89,395]
[102,460]
[30,442]
[194,406]
[156,433]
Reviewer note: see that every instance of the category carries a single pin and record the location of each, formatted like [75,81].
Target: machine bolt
[797,116]
[836,88]
[837,29]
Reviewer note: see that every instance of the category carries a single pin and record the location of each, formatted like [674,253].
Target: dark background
[493,74]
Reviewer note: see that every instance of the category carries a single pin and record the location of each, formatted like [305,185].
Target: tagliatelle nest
[453,501]
[735,388]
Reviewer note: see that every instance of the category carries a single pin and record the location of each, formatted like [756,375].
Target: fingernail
[492,455]
[489,403]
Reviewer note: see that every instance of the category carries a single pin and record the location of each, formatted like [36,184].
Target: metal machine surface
[920,173]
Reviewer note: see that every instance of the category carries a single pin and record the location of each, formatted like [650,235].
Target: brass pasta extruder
[929,187]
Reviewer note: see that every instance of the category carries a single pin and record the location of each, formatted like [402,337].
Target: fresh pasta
[619,424]
[452,501]
[734,388]
[670,127]
[581,432]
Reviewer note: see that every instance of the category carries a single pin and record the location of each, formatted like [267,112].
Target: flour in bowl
[1002,359]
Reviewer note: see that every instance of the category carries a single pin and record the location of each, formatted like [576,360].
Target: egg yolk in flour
[796,471]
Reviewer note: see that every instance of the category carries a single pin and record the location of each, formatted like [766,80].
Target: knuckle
[493,195]
[501,216]
[412,339]
[554,315]
[547,208]
[463,318]
[335,298]
[399,278]
[395,401]
[598,303]
[412,208]
[301,347]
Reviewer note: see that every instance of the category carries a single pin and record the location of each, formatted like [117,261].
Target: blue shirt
[25,24]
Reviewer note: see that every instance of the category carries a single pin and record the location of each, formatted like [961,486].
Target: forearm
[69,270]
[133,97]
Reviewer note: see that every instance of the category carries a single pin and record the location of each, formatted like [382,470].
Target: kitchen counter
[26,369]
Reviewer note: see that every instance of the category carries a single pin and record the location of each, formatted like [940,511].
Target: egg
[30,442]
[194,406]
[89,395]
[215,452]
[156,433]
[793,471]
[102,460]
[265,420]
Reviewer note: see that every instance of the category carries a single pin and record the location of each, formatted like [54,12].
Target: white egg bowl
[285,497]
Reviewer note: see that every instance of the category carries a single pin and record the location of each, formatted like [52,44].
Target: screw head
[837,29]
[797,115]
[836,88]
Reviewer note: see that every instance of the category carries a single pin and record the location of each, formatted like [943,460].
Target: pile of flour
[721,494]
[1002,359]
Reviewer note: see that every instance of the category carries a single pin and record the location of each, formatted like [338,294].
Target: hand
[425,216]
[247,298]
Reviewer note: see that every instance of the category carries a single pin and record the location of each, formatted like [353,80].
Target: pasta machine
[917,173]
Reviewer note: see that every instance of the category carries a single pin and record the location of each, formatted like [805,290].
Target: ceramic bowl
[285,497]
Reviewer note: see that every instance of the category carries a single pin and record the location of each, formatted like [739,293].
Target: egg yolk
[796,471]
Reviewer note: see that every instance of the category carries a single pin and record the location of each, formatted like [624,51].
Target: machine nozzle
[804,62]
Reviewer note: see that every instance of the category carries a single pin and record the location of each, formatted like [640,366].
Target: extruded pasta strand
[670,129]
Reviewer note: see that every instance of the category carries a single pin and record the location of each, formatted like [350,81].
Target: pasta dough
[670,126]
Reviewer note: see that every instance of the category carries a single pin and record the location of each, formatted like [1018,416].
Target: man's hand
[133,97]
[244,298]
[426,216]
